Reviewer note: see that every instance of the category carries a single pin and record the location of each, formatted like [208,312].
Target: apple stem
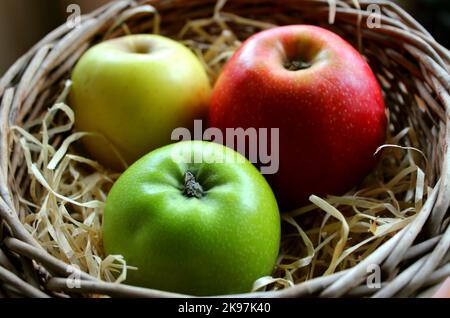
[296,65]
[192,189]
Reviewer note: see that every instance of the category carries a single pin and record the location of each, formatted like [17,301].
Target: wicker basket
[416,257]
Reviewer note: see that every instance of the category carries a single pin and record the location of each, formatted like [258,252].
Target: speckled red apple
[321,94]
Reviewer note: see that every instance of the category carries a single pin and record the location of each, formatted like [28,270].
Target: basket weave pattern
[401,50]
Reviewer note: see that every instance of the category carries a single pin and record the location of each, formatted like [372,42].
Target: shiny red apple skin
[331,116]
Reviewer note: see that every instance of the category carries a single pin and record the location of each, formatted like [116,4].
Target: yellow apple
[133,92]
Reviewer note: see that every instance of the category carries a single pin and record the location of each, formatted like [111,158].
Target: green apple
[135,90]
[200,227]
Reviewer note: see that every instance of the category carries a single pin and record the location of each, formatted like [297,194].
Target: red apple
[320,93]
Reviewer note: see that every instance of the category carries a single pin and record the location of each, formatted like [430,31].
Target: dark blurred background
[24,22]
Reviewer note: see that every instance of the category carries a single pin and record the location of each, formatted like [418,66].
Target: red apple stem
[296,65]
[192,189]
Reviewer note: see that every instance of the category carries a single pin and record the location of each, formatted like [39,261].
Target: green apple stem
[296,65]
[192,189]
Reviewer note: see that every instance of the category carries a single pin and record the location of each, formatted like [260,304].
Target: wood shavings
[67,194]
